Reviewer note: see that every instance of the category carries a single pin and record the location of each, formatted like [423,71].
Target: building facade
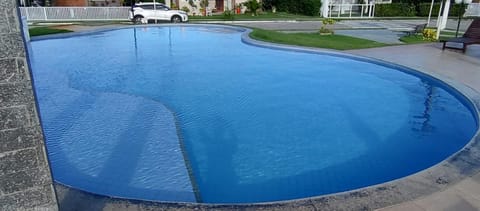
[213,5]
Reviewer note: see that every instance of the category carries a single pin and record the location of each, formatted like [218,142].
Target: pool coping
[461,165]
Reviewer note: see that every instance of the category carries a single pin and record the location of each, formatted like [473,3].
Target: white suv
[143,12]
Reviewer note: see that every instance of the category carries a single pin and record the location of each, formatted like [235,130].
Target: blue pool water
[193,114]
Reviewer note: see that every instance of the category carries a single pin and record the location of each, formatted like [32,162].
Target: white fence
[75,13]
[351,10]
[473,9]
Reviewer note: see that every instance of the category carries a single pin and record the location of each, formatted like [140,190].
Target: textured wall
[25,180]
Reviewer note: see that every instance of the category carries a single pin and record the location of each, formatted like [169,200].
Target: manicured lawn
[261,16]
[338,42]
[37,31]
[418,38]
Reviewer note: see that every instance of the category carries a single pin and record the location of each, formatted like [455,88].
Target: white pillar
[430,13]
[439,21]
[325,8]
[446,9]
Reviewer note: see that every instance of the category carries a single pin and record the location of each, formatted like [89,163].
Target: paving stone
[11,45]
[4,28]
[408,206]
[12,94]
[123,207]
[13,117]
[13,70]
[7,4]
[21,180]
[13,20]
[12,162]
[447,200]
[8,70]
[40,197]
[469,187]
[22,69]
[19,138]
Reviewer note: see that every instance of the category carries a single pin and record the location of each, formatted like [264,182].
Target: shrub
[455,10]
[228,15]
[267,4]
[252,6]
[326,25]
[429,34]
[185,8]
[309,7]
[395,10]
[304,7]
[424,9]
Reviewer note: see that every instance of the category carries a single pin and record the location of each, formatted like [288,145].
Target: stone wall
[25,181]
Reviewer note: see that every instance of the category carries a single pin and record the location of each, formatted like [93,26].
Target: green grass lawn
[338,42]
[37,31]
[260,16]
[418,38]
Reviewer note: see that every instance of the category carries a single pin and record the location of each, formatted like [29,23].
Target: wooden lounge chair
[471,36]
[418,29]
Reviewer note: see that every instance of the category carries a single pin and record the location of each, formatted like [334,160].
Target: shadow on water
[222,145]
[123,161]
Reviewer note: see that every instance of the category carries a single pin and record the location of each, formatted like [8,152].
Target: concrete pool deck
[463,194]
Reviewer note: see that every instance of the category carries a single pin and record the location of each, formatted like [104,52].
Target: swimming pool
[192,114]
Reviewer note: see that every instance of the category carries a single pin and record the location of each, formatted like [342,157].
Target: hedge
[424,9]
[304,7]
[395,10]
[408,10]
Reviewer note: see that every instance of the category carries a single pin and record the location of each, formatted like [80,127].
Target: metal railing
[351,10]
[473,9]
[75,13]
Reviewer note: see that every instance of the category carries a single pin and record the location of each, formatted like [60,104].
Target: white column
[446,9]
[430,13]
[325,8]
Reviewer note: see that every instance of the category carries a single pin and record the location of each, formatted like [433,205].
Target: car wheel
[138,19]
[176,19]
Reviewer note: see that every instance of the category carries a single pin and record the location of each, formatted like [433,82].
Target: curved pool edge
[455,168]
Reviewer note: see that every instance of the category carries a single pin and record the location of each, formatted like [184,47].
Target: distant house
[69,3]
[83,3]
[213,5]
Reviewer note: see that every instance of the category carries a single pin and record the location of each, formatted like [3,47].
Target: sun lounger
[471,36]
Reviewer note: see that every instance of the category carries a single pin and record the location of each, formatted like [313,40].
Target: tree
[204,5]
[192,4]
[253,6]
